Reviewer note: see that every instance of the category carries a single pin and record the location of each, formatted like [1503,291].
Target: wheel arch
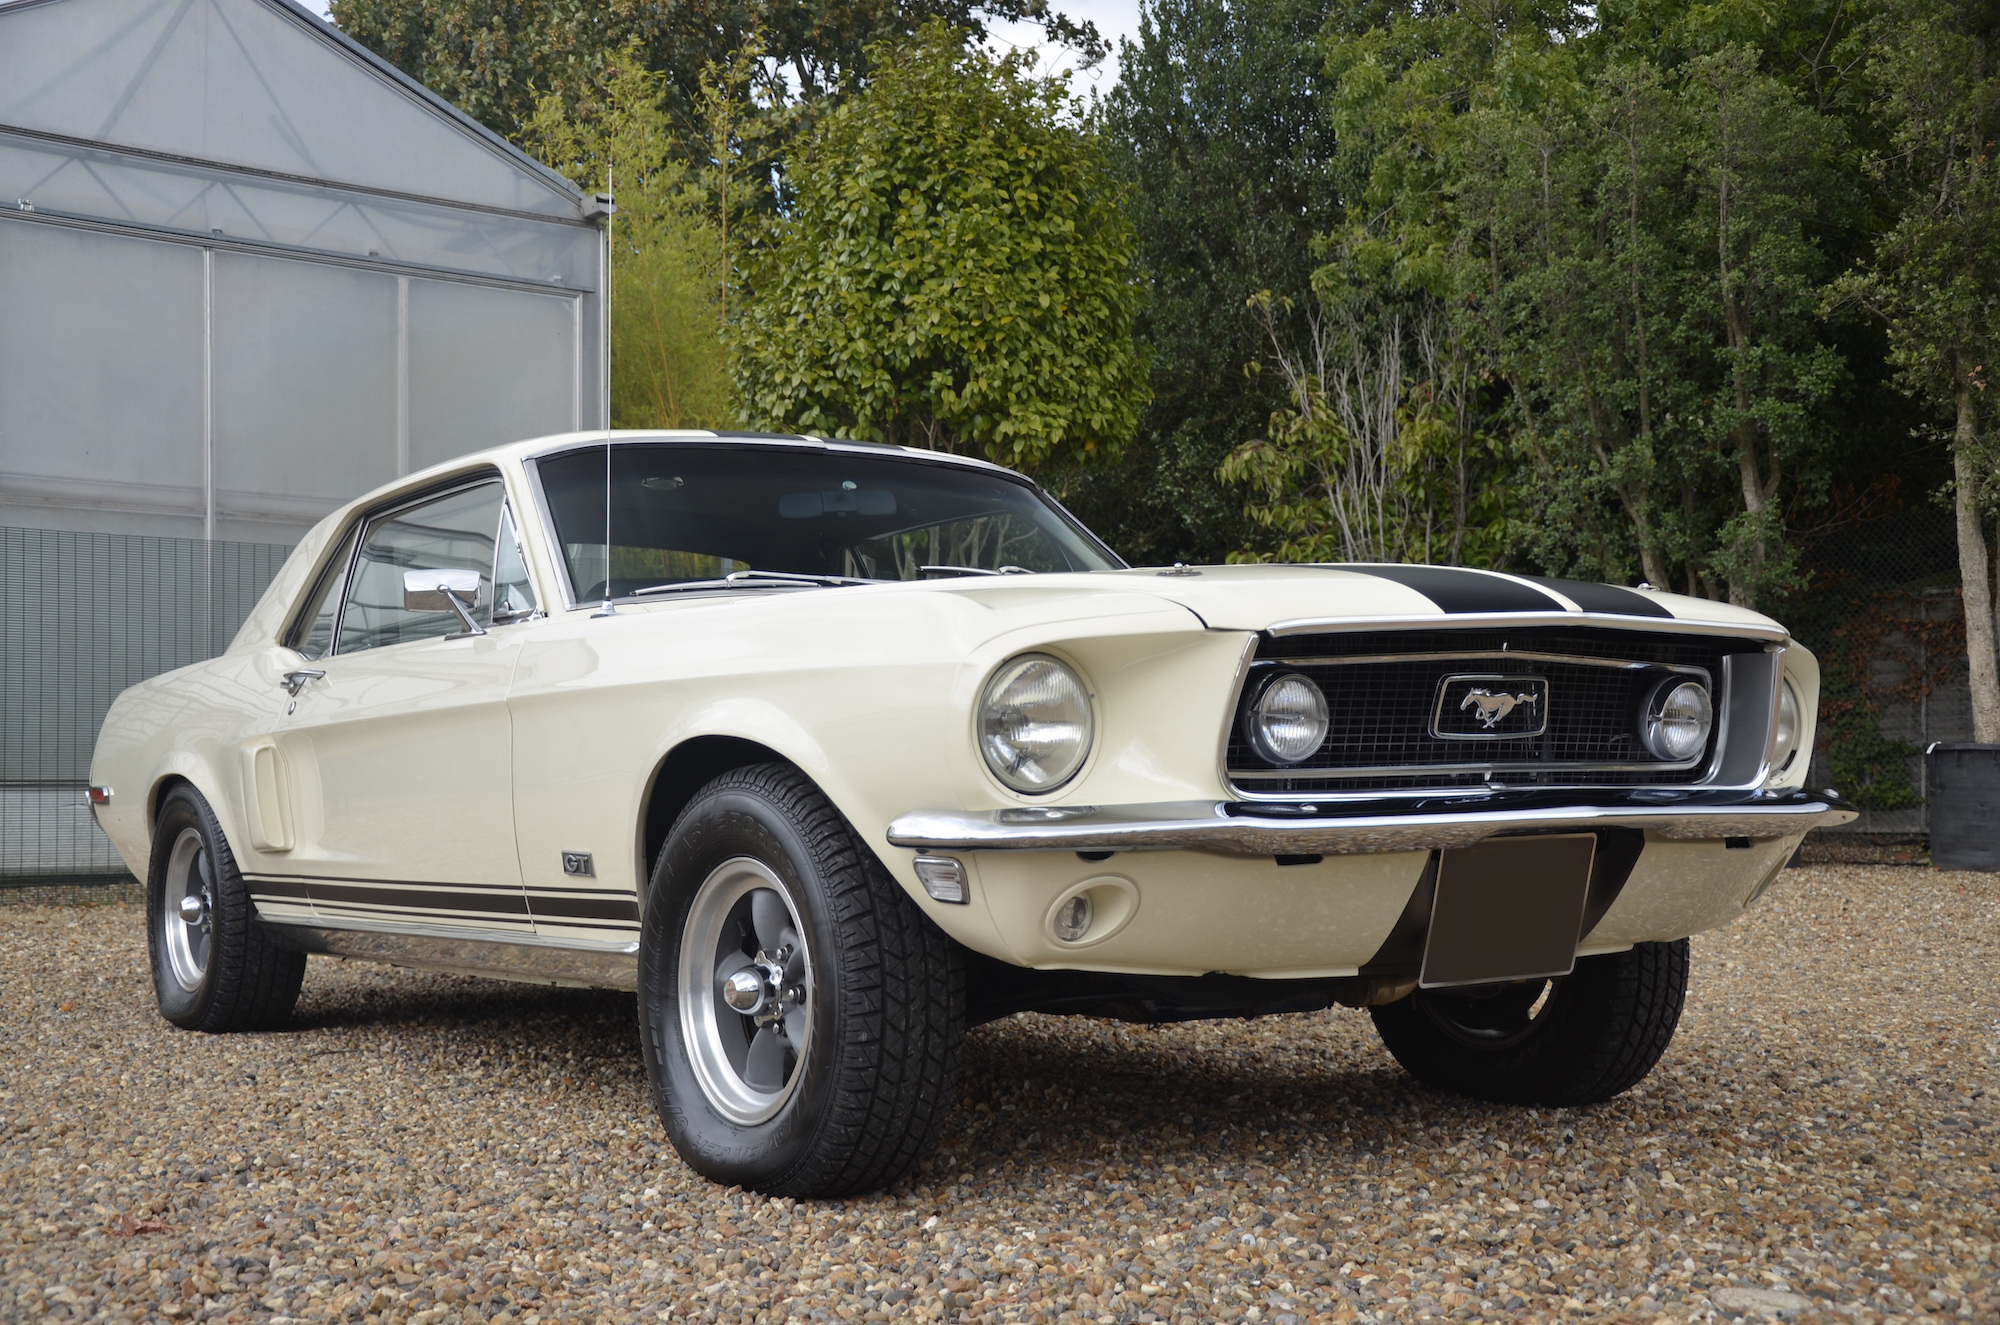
[164,784]
[179,773]
[686,769]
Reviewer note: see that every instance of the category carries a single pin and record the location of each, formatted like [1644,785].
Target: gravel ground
[1821,1142]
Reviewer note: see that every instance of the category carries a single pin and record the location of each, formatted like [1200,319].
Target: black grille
[1381,738]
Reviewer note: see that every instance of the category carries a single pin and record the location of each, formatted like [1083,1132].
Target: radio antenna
[608,608]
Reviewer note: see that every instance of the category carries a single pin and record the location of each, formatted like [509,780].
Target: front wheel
[1580,1039]
[214,966]
[801,1016]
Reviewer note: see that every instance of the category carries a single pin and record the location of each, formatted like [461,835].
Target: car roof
[537,447]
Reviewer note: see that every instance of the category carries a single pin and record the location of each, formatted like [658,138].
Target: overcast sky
[1114,19]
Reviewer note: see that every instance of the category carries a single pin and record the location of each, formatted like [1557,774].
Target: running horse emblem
[1491,707]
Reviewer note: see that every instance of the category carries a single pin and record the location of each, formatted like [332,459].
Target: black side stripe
[469,899]
[418,897]
[1460,592]
[316,880]
[420,915]
[1604,597]
[607,907]
[291,890]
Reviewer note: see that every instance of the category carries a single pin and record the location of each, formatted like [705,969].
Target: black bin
[1964,790]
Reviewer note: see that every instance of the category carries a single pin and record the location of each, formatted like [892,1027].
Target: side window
[513,594]
[314,631]
[452,532]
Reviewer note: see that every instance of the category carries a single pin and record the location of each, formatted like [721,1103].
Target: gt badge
[578,863]
[1491,707]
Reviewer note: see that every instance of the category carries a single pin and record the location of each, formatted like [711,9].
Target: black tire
[1598,1033]
[222,972]
[867,1052]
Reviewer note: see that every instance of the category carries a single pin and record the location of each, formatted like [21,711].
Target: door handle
[294,682]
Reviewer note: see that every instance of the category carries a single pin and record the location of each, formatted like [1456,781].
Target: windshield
[686,513]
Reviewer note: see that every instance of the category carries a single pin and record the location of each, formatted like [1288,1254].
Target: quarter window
[513,594]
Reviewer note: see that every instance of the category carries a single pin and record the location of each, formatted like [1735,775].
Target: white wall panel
[487,366]
[305,387]
[100,374]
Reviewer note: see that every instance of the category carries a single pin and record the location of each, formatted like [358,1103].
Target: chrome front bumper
[1411,824]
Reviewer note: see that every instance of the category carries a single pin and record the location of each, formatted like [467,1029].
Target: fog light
[1072,920]
[943,878]
[1677,720]
[1289,720]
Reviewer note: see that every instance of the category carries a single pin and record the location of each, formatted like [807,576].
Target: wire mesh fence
[83,616]
[1881,608]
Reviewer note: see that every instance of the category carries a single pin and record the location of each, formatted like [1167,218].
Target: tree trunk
[1975,570]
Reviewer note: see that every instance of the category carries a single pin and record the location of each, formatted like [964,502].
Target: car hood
[1288,597]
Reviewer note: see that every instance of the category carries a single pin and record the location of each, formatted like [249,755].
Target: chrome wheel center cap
[745,991]
[194,908]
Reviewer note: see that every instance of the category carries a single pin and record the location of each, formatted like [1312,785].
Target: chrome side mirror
[443,591]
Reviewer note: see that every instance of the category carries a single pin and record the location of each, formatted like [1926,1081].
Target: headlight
[1677,721]
[1034,723]
[1789,727]
[1289,719]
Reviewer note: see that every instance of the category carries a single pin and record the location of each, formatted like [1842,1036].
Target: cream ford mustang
[830,750]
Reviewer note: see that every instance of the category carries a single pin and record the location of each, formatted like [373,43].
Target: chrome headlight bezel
[1288,697]
[998,720]
[1664,723]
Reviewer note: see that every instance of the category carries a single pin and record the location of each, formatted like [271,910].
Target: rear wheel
[1580,1039]
[801,1016]
[214,966]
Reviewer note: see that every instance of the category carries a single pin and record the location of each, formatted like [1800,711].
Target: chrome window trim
[551,547]
[511,524]
[531,467]
[295,623]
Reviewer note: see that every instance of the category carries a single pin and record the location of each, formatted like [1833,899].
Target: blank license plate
[1508,909]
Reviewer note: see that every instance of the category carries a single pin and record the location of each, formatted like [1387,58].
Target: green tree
[1760,170]
[1218,124]
[669,255]
[955,272]
[1628,240]
[1935,274]
[497,59]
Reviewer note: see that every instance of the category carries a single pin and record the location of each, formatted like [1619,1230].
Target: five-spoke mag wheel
[746,991]
[189,904]
[801,1016]
[215,968]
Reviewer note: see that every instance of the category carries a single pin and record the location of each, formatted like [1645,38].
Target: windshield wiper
[754,579]
[972,570]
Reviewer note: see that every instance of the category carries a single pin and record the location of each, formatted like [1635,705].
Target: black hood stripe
[1465,592]
[1604,597]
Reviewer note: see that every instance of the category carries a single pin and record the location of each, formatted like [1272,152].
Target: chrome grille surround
[1383,688]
